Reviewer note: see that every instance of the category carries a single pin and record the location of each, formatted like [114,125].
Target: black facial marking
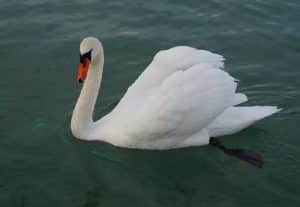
[87,55]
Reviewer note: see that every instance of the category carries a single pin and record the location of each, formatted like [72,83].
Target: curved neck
[82,118]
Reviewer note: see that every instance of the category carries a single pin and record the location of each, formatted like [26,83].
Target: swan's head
[91,53]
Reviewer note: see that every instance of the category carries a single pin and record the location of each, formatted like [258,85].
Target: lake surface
[42,164]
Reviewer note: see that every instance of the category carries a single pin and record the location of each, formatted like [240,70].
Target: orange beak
[83,70]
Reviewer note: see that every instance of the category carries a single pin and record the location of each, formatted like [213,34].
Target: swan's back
[167,62]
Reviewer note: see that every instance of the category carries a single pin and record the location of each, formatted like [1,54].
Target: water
[41,164]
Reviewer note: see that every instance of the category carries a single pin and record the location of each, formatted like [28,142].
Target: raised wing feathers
[167,62]
[183,104]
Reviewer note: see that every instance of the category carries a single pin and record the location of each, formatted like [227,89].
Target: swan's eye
[87,55]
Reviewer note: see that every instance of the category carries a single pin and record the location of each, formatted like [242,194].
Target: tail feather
[235,119]
[239,98]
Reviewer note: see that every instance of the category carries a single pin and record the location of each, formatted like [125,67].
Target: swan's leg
[249,156]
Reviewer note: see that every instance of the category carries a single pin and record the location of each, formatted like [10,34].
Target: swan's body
[181,99]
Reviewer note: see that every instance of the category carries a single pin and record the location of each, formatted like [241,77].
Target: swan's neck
[82,118]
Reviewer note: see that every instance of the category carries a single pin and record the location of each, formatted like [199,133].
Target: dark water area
[42,164]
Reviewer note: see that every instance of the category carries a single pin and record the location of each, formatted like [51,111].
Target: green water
[41,164]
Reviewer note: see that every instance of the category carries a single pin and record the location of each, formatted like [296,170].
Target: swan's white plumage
[235,119]
[239,98]
[172,109]
[166,62]
[181,99]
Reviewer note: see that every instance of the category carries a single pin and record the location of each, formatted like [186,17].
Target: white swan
[182,99]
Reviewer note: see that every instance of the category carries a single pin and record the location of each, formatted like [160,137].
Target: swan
[183,98]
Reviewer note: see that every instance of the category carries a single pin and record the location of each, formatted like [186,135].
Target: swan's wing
[183,104]
[166,62]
